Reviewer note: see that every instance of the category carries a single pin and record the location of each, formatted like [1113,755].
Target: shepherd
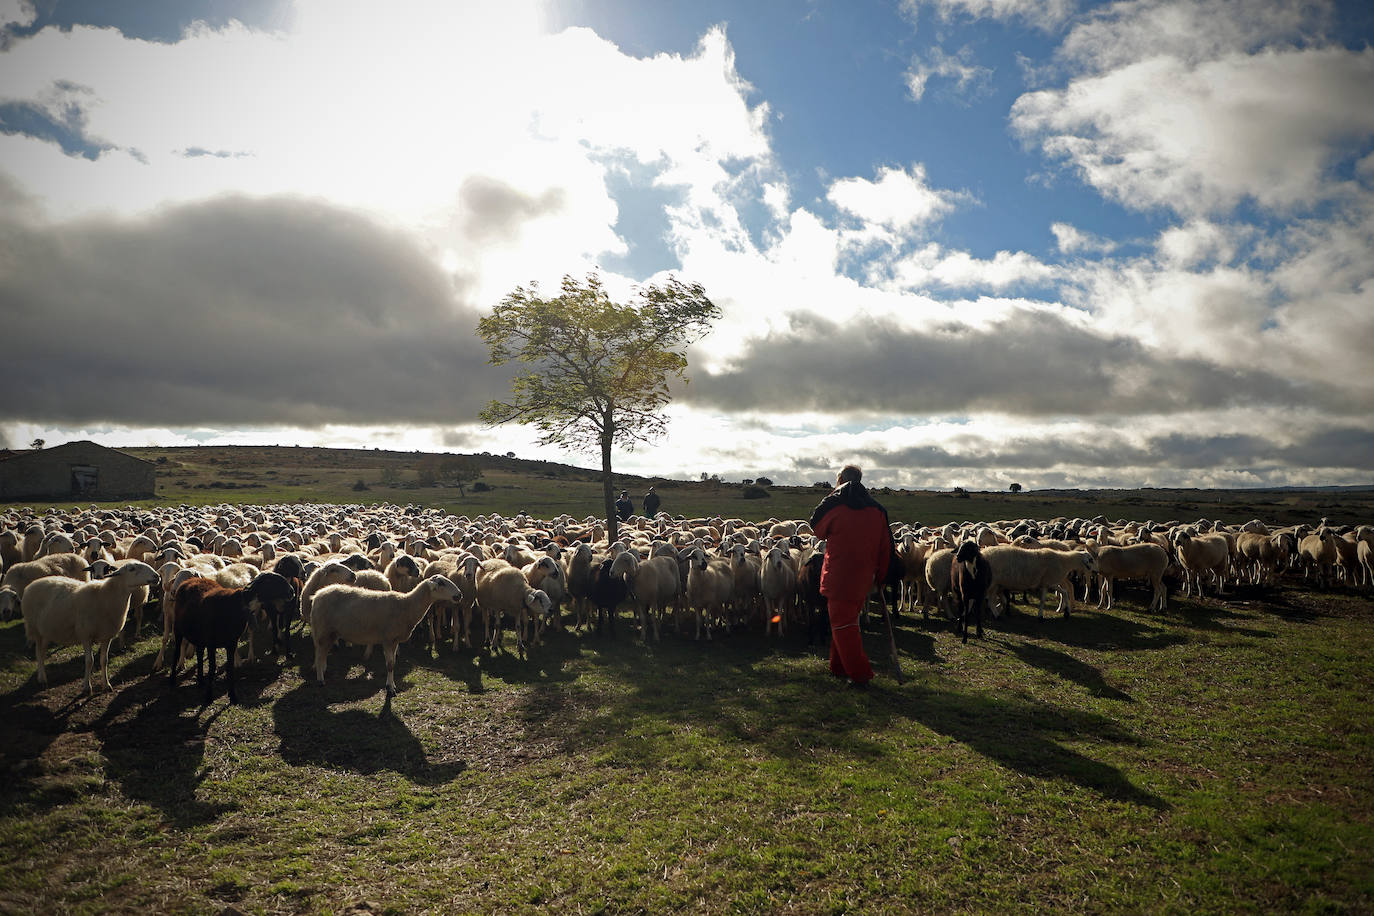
[858,545]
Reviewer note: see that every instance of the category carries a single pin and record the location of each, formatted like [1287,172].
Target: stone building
[76,471]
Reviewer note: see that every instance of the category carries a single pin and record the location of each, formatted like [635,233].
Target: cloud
[1043,14]
[933,266]
[235,310]
[969,78]
[58,116]
[1070,239]
[1028,363]
[898,201]
[491,209]
[1195,108]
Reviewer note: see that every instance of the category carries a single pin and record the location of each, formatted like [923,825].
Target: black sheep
[606,592]
[210,616]
[814,605]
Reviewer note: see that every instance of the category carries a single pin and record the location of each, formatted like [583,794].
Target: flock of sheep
[379,575]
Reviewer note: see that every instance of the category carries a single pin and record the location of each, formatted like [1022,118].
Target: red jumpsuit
[858,545]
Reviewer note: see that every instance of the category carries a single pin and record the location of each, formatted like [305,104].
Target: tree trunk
[608,484]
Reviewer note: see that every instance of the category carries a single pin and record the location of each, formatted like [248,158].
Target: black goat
[969,578]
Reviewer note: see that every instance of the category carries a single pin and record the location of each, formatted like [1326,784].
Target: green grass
[1215,758]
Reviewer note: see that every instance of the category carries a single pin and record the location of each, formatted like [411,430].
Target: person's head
[850,473]
[651,489]
[624,493]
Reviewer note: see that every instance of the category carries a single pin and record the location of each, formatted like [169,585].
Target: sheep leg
[210,682]
[86,683]
[105,664]
[322,643]
[389,652]
[40,650]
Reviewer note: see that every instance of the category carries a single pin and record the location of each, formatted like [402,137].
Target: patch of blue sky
[162,21]
[834,77]
[68,130]
[642,220]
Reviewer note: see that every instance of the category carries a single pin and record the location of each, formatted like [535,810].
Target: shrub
[481,486]
[755,492]
[359,485]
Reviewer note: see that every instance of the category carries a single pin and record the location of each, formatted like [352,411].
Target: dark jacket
[651,503]
[858,541]
[624,508]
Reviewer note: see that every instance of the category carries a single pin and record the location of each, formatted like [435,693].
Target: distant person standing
[651,503]
[858,545]
[623,507]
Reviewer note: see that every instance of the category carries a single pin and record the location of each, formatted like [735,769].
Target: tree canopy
[597,372]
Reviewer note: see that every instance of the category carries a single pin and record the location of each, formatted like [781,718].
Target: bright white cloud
[933,266]
[1198,106]
[899,200]
[1070,239]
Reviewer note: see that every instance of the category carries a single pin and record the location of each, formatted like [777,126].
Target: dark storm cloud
[1029,363]
[233,311]
[1333,447]
[494,211]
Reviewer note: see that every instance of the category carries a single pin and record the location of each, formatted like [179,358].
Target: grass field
[1215,758]
[265,475]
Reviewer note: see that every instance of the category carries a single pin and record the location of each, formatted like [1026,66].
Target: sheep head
[538,603]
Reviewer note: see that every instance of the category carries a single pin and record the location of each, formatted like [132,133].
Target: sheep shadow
[1090,629]
[1210,615]
[154,749]
[1054,661]
[733,693]
[352,739]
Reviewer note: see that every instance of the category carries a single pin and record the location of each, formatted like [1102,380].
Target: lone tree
[1015,488]
[597,371]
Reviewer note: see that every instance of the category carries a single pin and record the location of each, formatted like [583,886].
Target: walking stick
[892,641]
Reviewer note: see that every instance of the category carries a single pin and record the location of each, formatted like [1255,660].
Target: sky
[959,242]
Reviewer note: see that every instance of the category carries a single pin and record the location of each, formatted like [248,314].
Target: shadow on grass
[1086,629]
[736,691]
[153,740]
[1066,666]
[352,740]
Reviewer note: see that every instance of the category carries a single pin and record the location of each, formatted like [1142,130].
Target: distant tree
[1015,488]
[763,482]
[37,444]
[359,485]
[755,492]
[459,471]
[747,481]
[391,475]
[821,485]
[427,473]
[596,371]
[960,493]
[705,476]
[510,454]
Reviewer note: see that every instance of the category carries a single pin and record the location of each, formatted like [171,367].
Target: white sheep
[19,576]
[778,586]
[367,617]
[62,610]
[502,589]
[1134,561]
[1016,569]
[653,584]
[710,586]
[326,574]
[1202,555]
